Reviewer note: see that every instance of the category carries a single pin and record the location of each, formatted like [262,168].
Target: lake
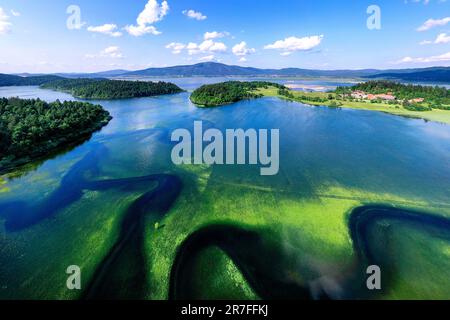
[74,208]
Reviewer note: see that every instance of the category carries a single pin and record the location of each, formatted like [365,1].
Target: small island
[30,129]
[104,89]
[219,94]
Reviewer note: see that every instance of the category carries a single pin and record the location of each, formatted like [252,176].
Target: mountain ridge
[215,69]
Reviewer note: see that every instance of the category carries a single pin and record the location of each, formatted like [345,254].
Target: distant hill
[208,69]
[429,75]
[13,80]
[103,74]
[213,69]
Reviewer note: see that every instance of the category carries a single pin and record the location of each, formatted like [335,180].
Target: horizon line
[219,63]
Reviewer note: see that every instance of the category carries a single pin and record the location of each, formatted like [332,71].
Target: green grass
[434,115]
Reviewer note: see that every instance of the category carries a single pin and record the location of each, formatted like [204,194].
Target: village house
[417,100]
[359,95]
[389,97]
[362,95]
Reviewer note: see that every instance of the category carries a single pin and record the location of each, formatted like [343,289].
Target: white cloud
[207,58]
[109,52]
[431,23]
[194,15]
[138,31]
[207,46]
[15,13]
[176,47]
[108,29]
[210,45]
[440,58]
[293,44]
[241,49]
[243,59]
[153,12]
[215,35]
[442,38]
[5,25]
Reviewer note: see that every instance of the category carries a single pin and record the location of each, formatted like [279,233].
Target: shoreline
[9,166]
[438,116]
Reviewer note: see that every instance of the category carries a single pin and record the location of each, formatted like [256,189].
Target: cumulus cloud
[15,13]
[439,58]
[176,47]
[210,45]
[113,52]
[108,29]
[441,38]
[192,48]
[293,44]
[5,25]
[431,23]
[192,14]
[138,31]
[215,35]
[152,13]
[241,49]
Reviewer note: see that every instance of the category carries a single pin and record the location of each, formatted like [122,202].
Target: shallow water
[319,147]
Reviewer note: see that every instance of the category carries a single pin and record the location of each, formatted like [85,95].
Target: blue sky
[137,34]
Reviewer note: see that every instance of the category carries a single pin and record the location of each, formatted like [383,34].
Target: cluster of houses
[385,96]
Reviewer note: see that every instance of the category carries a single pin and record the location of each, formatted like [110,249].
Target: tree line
[435,97]
[111,89]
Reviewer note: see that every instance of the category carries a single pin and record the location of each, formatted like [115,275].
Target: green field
[397,109]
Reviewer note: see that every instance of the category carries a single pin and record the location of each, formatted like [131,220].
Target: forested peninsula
[229,92]
[34,128]
[104,89]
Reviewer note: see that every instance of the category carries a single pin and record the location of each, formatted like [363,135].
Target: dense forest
[434,97]
[111,89]
[229,92]
[12,80]
[32,128]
